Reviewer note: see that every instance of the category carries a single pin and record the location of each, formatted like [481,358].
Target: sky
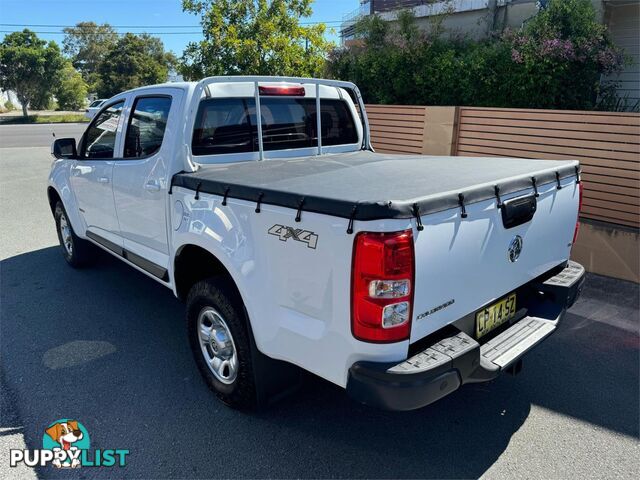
[158,14]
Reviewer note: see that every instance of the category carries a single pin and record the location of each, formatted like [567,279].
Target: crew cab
[261,203]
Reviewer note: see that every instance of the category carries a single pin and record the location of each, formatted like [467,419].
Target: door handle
[152,186]
[103,180]
[75,171]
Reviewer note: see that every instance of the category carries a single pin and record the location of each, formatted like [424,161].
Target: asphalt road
[38,135]
[107,346]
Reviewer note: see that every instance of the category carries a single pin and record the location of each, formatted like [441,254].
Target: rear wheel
[76,251]
[220,342]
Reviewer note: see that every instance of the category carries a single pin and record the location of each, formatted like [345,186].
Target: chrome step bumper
[458,359]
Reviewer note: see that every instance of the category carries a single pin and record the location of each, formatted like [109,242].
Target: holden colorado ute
[261,203]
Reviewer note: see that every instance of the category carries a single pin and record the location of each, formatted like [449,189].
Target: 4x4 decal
[284,233]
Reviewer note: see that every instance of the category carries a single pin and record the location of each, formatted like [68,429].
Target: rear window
[228,125]
[96,103]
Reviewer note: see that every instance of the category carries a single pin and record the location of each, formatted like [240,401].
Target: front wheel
[219,339]
[76,251]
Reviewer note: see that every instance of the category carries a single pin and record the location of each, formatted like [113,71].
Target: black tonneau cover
[370,186]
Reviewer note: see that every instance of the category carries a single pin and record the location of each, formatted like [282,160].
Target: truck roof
[369,186]
[226,80]
[180,85]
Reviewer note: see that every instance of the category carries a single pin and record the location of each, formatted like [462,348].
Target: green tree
[86,45]
[134,61]
[43,100]
[71,92]
[29,66]
[254,37]
[560,56]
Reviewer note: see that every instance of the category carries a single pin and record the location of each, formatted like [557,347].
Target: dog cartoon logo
[68,437]
[66,444]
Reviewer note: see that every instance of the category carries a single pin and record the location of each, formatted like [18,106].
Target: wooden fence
[397,129]
[606,144]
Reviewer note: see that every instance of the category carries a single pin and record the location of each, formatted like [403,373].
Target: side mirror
[64,148]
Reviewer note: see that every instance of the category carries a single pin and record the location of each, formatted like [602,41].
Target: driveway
[107,346]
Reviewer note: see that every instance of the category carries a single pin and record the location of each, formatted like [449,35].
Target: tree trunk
[23,102]
[493,17]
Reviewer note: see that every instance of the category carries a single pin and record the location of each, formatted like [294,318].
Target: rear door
[141,178]
[463,265]
[91,174]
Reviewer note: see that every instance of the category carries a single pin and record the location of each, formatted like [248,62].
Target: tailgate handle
[518,210]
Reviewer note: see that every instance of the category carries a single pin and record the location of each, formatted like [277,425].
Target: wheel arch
[193,263]
[59,189]
[273,377]
[54,197]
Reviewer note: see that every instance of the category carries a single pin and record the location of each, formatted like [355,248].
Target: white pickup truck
[260,202]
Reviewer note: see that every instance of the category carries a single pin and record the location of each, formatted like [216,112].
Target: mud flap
[274,379]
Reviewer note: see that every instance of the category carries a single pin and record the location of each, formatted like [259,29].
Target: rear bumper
[458,359]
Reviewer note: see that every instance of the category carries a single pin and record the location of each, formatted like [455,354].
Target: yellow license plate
[495,315]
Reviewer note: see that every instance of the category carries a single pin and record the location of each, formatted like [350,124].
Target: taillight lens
[575,232]
[382,286]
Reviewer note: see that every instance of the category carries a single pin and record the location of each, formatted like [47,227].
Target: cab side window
[146,126]
[100,138]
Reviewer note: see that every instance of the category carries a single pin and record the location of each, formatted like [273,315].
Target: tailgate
[462,264]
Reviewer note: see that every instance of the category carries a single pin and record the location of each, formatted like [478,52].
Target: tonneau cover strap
[351,220]
[497,190]
[299,213]
[260,195]
[462,208]
[535,187]
[416,212]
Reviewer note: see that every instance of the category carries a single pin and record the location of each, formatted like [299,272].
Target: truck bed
[371,186]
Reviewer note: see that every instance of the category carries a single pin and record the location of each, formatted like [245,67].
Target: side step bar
[146,265]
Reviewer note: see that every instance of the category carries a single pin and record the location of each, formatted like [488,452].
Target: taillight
[575,232]
[279,90]
[382,286]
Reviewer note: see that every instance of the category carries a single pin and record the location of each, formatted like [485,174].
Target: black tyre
[219,339]
[76,251]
